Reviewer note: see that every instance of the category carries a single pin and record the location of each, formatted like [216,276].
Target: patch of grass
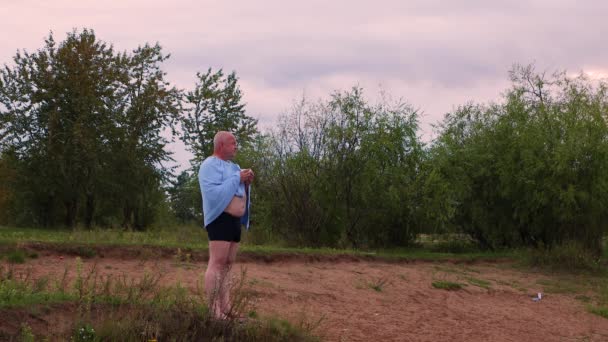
[261,283]
[600,311]
[26,334]
[16,257]
[456,269]
[471,270]
[449,269]
[514,284]
[559,286]
[377,288]
[464,273]
[84,333]
[425,253]
[447,285]
[599,286]
[569,257]
[86,252]
[456,246]
[17,293]
[278,329]
[183,256]
[479,283]
[252,314]
[378,284]
[583,298]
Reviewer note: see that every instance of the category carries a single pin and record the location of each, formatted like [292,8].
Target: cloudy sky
[433,54]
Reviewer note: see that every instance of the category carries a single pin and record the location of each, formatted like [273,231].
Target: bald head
[224,145]
[220,138]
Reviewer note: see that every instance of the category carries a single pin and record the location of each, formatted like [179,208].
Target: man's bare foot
[217,313]
[237,318]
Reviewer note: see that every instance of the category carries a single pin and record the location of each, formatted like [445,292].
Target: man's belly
[236,207]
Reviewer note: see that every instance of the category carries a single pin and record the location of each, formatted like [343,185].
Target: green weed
[447,285]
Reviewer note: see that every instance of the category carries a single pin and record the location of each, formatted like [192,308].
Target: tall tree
[57,102]
[215,104]
[84,126]
[148,106]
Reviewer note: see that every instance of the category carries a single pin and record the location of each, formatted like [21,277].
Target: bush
[528,172]
[569,256]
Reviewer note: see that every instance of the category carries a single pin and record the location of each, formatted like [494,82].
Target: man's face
[230,147]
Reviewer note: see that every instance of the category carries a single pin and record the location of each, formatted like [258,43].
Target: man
[225,188]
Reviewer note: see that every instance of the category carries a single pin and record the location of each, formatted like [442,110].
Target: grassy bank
[90,307]
[194,240]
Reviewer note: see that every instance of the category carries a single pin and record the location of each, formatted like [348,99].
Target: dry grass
[106,308]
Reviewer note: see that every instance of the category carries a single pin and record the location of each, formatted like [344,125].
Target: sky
[435,55]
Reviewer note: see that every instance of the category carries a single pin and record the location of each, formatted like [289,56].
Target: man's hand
[247,176]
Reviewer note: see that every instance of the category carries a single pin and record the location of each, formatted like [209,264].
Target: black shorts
[225,228]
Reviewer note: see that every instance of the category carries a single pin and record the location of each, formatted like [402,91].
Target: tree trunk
[127,211]
[89,211]
[71,207]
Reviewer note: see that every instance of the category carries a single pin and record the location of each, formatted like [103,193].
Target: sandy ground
[377,301]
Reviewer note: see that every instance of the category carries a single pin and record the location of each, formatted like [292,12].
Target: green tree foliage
[148,106]
[531,171]
[83,124]
[215,105]
[7,197]
[185,198]
[344,173]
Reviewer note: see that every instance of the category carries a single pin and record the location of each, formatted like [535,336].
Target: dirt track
[376,301]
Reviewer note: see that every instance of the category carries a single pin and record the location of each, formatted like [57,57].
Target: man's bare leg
[226,305]
[216,276]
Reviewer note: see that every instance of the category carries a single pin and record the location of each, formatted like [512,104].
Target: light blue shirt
[220,181]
